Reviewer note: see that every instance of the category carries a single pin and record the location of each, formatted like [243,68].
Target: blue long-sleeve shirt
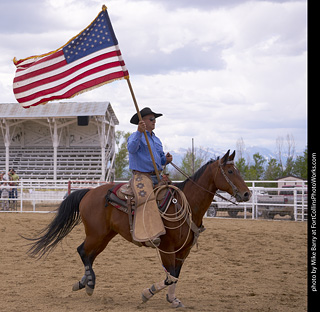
[139,156]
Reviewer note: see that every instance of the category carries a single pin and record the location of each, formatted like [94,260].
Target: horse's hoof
[77,286]
[89,290]
[175,303]
[144,299]
[146,295]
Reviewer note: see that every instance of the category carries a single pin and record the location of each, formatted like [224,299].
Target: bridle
[234,188]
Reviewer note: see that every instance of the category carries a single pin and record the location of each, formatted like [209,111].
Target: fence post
[302,202]
[21,195]
[295,208]
[69,187]
[253,200]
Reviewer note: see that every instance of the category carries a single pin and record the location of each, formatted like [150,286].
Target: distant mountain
[248,153]
[179,153]
[265,152]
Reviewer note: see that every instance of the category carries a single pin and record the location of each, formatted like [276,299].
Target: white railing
[265,202]
[38,195]
[289,202]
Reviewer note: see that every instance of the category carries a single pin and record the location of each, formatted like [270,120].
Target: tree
[242,167]
[122,159]
[279,152]
[242,162]
[240,147]
[256,170]
[289,167]
[273,170]
[300,167]
[199,158]
[289,153]
[285,148]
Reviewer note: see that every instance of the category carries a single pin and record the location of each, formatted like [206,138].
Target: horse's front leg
[157,287]
[147,293]
[169,264]
[171,295]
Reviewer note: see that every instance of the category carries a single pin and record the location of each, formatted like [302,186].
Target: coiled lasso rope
[183,213]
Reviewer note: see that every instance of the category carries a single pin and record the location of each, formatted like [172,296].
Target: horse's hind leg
[88,280]
[88,252]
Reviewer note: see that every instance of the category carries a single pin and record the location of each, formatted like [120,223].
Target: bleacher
[81,130]
[75,163]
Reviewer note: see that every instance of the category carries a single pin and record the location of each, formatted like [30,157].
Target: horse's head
[228,178]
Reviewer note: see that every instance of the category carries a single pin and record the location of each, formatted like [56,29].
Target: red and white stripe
[42,79]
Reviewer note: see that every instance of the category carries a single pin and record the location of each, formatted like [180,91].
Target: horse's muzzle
[243,197]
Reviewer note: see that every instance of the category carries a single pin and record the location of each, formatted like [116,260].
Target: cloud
[217,70]
[206,4]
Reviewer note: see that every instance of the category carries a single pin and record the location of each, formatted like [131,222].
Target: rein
[234,188]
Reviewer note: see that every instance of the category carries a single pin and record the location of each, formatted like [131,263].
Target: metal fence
[38,195]
[268,201]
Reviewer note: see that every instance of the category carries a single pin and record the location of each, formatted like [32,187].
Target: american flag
[89,60]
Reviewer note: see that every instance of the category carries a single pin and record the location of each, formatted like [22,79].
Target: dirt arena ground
[241,265]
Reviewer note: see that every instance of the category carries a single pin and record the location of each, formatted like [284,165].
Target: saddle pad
[115,189]
[147,224]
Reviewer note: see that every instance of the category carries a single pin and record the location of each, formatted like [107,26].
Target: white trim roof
[57,109]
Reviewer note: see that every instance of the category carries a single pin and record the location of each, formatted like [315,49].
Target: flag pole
[144,132]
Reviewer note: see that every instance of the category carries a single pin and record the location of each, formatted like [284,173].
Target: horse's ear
[225,158]
[231,157]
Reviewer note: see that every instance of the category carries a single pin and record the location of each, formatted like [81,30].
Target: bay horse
[102,223]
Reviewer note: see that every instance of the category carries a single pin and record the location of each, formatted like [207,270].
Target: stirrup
[154,243]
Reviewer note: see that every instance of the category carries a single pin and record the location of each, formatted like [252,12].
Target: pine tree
[273,170]
[300,167]
[256,171]
[242,167]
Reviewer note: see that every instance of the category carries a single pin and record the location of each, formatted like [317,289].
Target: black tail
[66,219]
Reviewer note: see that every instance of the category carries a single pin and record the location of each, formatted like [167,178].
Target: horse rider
[140,161]
[139,155]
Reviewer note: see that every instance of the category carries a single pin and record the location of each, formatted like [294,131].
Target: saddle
[137,199]
[121,196]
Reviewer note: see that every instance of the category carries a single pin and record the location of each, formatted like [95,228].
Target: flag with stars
[87,61]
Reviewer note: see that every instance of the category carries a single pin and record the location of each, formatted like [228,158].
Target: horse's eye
[230,171]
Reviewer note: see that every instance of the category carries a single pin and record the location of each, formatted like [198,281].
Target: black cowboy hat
[144,112]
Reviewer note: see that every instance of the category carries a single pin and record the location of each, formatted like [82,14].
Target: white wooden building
[290,180]
[67,140]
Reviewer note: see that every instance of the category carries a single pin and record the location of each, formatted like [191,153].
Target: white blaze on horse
[102,223]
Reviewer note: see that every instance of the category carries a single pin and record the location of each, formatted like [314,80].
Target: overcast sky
[218,70]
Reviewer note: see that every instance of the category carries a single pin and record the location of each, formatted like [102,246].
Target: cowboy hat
[144,112]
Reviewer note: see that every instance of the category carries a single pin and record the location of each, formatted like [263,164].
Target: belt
[151,172]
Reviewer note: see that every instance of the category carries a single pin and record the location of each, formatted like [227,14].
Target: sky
[219,71]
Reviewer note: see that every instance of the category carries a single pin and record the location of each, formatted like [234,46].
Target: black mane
[197,174]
